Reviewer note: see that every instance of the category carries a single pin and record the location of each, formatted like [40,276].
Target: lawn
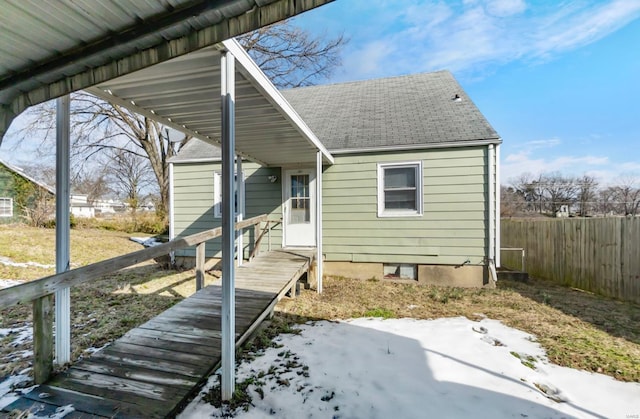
[577,329]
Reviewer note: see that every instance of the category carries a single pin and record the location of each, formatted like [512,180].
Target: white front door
[299,209]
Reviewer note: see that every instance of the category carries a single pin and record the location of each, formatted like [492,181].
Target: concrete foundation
[445,275]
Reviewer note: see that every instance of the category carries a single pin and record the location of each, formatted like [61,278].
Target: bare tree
[289,55]
[512,203]
[130,175]
[531,190]
[627,194]
[587,193]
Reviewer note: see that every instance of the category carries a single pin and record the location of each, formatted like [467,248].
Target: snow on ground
[8,262]
[406,368]
[146,241]
[6,283]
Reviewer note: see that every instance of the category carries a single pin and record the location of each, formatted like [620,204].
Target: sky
[556,79]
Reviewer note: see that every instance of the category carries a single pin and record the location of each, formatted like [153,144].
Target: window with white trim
[400,189]
[217,195]
[6,207]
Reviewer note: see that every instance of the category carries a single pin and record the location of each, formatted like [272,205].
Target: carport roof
[184,93]
[52,48]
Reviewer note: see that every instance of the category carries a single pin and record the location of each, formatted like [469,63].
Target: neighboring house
[81,207]
[413,192]
[23,198]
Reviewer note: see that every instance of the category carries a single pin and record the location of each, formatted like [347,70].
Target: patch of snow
[7,386]
[8,262]
[93,350]
[6,283]
[400,368]
[23,334]
[146,241]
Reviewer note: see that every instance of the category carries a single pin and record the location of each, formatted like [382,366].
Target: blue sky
[558,80]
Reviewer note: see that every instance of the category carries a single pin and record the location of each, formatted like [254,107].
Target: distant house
[81,207]
[23,198]
[412,194]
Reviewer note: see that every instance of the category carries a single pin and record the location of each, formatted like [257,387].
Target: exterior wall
[193,197]
[25,194]
[452,229]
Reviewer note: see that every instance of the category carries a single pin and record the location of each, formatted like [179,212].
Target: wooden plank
[163,354]
[39,409]
[153,400]
[143,339]
[84,403]
[162,378]
[134,360]
[42,338]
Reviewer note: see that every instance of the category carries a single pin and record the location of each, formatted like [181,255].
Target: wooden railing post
[200,256]
[42,338]
[256,235]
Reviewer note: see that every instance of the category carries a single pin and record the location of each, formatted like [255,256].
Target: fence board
[600,255]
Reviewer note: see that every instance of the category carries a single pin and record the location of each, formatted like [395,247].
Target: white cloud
[505,8]
[478,34]
[515,164]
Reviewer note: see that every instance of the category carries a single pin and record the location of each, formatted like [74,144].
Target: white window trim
[217,195]
[419,197]
[10,214]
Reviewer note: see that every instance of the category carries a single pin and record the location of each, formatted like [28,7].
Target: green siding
[194,195]
[23,192]
[453,226]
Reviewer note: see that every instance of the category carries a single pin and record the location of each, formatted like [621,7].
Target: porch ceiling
[184,93]
[52,48]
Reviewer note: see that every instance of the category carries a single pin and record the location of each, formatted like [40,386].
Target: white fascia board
[271,93]
[416,147]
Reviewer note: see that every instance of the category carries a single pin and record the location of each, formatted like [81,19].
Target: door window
[300,200]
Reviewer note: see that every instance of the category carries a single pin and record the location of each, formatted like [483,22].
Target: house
[23,197]
[412,193]
[81,207]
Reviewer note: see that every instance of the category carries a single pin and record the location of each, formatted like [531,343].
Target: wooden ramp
[152,370]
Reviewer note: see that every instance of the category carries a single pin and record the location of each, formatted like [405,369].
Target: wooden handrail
[33,290]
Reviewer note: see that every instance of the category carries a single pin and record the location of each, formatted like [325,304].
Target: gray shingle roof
[197,150]
[406,110]
[414,110]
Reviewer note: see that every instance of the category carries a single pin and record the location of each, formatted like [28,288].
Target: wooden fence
[600,255]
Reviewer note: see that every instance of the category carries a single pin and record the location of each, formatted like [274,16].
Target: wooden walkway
[152,370]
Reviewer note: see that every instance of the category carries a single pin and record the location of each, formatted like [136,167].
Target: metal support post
[228,225]
[319,220]
[63,233]
[240,212]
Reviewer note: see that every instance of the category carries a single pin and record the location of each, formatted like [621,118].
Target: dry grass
[577,329]
[102,310]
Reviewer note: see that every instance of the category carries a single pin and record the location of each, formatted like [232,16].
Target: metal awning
[52,48]
[184,93]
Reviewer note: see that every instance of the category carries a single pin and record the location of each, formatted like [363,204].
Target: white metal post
[319,220]
[63,233]
[172,255]
[498,219]
[492,201]
[240,204]
[228,226]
